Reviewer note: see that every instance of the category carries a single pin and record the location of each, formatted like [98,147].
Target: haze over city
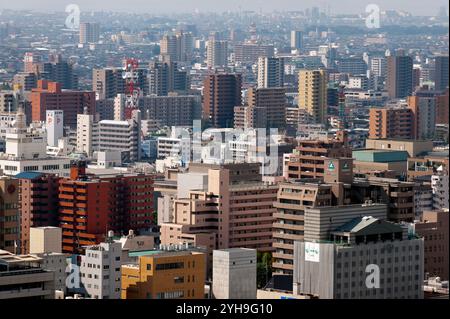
[415,7]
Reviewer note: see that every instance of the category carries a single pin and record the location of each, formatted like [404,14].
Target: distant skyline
[428,7]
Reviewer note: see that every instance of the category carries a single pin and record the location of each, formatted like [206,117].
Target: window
[170,266]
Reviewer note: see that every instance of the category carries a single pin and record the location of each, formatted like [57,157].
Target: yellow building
[165,275]
[312,95]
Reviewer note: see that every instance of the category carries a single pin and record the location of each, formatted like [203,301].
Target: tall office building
[337,264]
[165,77]
[273,101]
[424,109]
[313,95]
[378,66]
[300,205]
[59,70]
[222,92]
[248,53]
[108,82]
[89,32]
[270,72]
[217,53]
[297,40]
[123,136]
[441,73]
[399,76]
[352,65]
[177,47]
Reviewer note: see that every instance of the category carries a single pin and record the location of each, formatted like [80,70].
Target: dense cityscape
[245,154]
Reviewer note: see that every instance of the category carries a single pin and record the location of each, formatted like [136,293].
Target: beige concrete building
[413,147]
[312,94]
[45,240]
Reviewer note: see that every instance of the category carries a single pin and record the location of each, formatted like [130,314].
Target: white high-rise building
[54,126]
[296,40]
[217,53]
[378,66]
[270,72]
[100,270]
[110,135]
[87,133]
[439,185]
[119,107]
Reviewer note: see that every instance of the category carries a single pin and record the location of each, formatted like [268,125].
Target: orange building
[308,160]
[165,275]
[386,123]
[90,206]
[49,96]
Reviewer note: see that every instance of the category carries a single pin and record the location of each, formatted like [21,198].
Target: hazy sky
[424,7]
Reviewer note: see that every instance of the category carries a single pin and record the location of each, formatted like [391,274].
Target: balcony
[282,256]
[286,206]
[277,265]
[278,216]
[288,226]
[287,236]
[283,246]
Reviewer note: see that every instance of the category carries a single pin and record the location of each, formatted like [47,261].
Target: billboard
[312,252]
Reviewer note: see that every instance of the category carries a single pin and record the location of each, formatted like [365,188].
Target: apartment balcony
[86,242]
[66,196]
[279,235]
[283,246]
[277,265]
[233,218]
[288,226]
[251,227]
[260,244]
[282,256]
[66,204]
[66,219]
[250,235]
[286,206]
[402,194]
[312,149]
[284,216]
[67,241]
[402,205]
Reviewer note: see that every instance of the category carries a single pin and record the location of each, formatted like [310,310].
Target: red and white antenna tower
[131,76]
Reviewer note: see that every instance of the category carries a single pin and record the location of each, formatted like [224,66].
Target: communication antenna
[131,76]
